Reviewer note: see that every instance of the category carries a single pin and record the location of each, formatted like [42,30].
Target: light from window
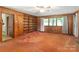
[45,21]
[54,21]
[60,21]
[50,21]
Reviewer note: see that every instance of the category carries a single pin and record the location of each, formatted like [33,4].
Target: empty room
[39,28]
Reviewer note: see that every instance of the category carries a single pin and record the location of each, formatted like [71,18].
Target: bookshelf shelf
[30,24]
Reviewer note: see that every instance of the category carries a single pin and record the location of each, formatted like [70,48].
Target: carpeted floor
[41,42]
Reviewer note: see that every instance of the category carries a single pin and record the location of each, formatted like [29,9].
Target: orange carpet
[41,42]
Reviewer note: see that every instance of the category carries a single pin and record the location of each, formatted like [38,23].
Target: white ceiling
[52,11]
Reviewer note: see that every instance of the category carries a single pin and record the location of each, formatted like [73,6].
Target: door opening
[7,26]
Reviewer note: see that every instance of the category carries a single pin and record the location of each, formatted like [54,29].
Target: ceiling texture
[48,11]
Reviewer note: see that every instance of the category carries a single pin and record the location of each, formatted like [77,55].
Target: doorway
[7,26]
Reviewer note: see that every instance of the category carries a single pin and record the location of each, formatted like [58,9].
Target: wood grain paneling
[0,28]
[20,24]
[54,29]
[18,17]
[0,25]
[38,23]
[70,24]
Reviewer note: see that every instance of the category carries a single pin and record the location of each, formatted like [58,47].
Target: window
[53,21]
[50,21]
[45,21]
[60,21]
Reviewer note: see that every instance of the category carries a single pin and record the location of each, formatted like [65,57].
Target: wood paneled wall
[0,29]
[18,20]
[70,24]
[38,23]
[53,29]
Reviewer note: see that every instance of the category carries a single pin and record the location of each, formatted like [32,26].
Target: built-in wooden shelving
[30,24]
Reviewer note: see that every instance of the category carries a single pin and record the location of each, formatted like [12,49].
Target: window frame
[53,21]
